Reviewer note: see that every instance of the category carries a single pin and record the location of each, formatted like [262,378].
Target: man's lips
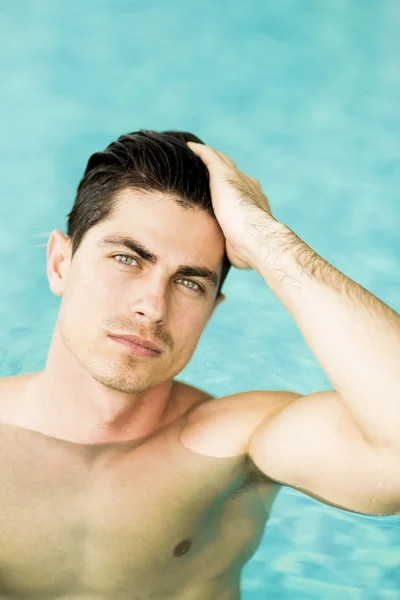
[137,340]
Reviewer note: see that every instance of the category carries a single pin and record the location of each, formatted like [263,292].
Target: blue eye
[125,256]
[198,289]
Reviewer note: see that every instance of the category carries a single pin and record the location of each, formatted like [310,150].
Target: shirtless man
[120,483]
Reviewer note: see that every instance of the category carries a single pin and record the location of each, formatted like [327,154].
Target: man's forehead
[127,198]
[129,202]
[160,217]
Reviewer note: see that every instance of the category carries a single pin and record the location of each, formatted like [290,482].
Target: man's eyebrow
[130,244]
[138,248]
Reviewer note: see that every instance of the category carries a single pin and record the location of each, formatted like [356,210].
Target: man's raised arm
[354,336]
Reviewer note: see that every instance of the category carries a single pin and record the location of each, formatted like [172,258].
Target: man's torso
[137,519]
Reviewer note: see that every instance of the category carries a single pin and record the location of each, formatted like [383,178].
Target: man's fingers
[209,155]
[213,158]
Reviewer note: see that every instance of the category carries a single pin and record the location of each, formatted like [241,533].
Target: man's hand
[239,203]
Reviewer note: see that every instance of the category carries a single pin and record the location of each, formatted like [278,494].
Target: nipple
[182,547]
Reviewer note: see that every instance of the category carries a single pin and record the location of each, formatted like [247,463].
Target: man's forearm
[354,336]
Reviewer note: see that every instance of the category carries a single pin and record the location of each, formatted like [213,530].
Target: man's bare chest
[151,518]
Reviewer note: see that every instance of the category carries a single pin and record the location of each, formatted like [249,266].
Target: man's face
[109,289]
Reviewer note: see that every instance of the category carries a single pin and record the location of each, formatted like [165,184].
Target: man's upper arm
[314,445]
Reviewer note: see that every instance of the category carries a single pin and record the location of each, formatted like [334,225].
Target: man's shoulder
[224,426]
[13,381]
[12,387]
[259,403]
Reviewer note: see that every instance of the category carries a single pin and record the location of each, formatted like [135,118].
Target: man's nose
[151,302]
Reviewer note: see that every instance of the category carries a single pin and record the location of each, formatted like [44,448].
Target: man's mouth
[137,345]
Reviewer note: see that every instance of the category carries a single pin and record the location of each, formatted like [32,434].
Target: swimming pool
[305,98]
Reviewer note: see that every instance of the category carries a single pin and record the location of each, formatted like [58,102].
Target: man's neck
[60,409]
[65,400]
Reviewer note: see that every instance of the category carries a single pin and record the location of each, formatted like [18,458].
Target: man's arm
[354,336]
[314,445]
[340,446]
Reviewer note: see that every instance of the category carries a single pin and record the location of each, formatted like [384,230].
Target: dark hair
[147,161]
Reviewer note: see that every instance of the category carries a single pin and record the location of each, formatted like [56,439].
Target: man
[118,481]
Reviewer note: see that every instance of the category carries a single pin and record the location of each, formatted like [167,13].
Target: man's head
[160,280]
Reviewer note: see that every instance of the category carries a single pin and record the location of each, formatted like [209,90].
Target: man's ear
[58,261]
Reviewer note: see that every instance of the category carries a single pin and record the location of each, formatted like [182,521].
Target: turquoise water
[304,96]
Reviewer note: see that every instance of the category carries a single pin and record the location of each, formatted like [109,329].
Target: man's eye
[192,283]
[127,256]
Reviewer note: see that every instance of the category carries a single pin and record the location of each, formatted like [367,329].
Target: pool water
[303,96]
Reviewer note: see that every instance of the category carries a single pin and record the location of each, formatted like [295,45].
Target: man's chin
[121,382]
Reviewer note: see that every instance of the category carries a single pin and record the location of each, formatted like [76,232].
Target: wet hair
[148,161]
